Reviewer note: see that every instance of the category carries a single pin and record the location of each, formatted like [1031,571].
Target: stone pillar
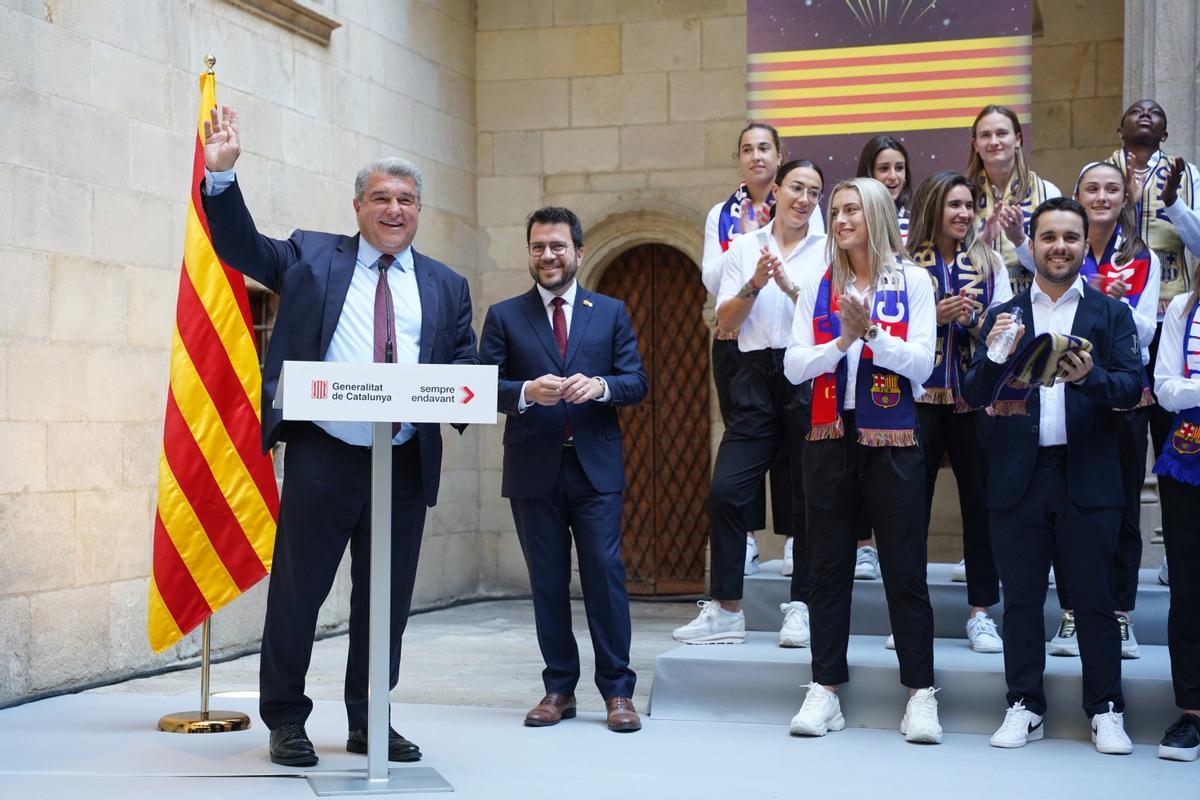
[1162,54]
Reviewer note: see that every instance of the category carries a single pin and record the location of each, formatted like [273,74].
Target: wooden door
[666,436]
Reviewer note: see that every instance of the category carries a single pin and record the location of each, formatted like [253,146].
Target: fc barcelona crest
[1186,439]
[885,391]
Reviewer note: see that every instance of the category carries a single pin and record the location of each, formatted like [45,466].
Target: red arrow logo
[470,394]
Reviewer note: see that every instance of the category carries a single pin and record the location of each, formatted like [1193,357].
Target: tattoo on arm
[748,291]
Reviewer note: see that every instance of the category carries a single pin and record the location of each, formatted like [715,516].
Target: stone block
[581,150]
[721,144]
[1061,166]
[156,29]
[88,301]
[443,138]
[23,468]
[442,39]
[57,233]
[112,535]
[456,94]
[517,153]
[160,161]
[239,624]
[125,384]
[617,181]
[129,652]
[709,94]
[150,309]
[673,146]
[1082,21]
[1110,68]
[491,457]
[351,102]
[457,510]
[127,84]
[492,15]
[522,105]
[141,447]
[274,73]
[495,511]
[8,24]
[25,313]
[485,149]
[15,633]
[52,59]
[4,381]
[585,12]
[389,116]
[591,207]
[311,92]
[660,46]
[1064,72]
[1052,124]
[502,248]
[559,52]
[113,212]
[83,455]
[234,46]
[38,526]
[511,574]
[335,612]
[7,202]
[618,100]
[307,143]
[450,238]
[389,20]
[76,626]
[1094,120]
[559,184]
[461,11]
[501,285]
[45,382]
[723,42]
[507,201]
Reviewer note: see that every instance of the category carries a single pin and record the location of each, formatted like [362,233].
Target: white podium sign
[338,391]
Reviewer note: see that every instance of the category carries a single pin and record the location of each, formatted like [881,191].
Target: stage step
[768,588]
[761,682]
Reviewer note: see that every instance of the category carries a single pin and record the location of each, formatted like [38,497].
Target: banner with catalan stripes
[214,530]
[831,74]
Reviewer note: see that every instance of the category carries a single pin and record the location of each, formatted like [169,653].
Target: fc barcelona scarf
[1018,276]
[1035,367]
[952,353]
[883,400]
[729,224]
[1180,457]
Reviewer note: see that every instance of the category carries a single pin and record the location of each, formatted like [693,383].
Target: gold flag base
[204,722]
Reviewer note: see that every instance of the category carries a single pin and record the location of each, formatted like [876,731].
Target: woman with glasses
[863,335]
[757,297]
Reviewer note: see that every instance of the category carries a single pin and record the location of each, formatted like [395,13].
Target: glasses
[538,249]
[812,195]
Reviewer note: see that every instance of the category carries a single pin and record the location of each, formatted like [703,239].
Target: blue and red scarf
[883,400]
[1180,457]
[729,223]
[955,345]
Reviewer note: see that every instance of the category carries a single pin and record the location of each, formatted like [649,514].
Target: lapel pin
[587,303]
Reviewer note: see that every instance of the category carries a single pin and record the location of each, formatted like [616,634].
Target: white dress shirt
[1050,316]
[713,261]
[769,324]
[568,312]
[911,357]
[1176,393]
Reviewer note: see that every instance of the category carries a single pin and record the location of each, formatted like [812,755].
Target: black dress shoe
[291,747]
[1181,742]
[399,748]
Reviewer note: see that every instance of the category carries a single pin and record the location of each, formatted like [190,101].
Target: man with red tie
[567,358]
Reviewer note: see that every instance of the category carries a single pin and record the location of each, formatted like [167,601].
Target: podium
[382,394]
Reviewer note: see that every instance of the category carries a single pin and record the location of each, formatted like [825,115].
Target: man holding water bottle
[1054,482]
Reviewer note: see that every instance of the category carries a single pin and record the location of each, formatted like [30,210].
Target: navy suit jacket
[1115,381]
[311,273]
[517,338]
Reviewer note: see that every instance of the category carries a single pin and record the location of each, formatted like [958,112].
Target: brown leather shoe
[622,716]
[554,707]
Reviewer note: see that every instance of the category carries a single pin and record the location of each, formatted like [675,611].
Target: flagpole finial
[209,62]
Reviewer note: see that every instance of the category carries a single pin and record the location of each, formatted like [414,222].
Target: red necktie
[560,337]
[385,321]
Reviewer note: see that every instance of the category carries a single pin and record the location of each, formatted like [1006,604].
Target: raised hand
[545,391]
[855,317]
[1132,188]
[1012,220]
[1170,192]
[221,144]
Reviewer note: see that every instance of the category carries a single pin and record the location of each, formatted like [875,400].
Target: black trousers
[1127,559]
[545,526]
[941,430]
[325,503]
[1045,524]
[840,478]
[1181,532]
[768,418]
[725,359]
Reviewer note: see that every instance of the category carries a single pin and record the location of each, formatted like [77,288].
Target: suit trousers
[1181,509]
[841,477]
[325,503]
[767,422]
[1043,525]
[941,430]
[545,526]
[725,359]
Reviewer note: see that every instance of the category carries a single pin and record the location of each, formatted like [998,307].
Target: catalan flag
[214,530]
[888,88]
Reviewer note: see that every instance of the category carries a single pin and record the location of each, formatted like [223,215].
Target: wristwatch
[973,320]
[871,333]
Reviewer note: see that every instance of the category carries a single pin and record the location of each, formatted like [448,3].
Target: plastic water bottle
[998,352]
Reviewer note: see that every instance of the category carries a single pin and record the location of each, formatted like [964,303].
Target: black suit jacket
[1115,381]
[311,273]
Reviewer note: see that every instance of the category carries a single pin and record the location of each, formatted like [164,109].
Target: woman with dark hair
[1008,190]
[863,335]
[970,278]
[766,415]
[885,159]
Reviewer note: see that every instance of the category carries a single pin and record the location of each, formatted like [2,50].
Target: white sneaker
[866,565]
[820,713]
[920,722]
[788,563]
[713,625]
[958,573]
[794,632]
[1020,726]
[981,631]
[751,555]
[1163,576]
[1129,644]
[1064,642]
[890,642]
[1108,733]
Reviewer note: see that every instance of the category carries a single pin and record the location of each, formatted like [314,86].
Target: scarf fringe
[937,396]
[821,433]
[962,406]
[1008,408]
[1173,469]
[886,438]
